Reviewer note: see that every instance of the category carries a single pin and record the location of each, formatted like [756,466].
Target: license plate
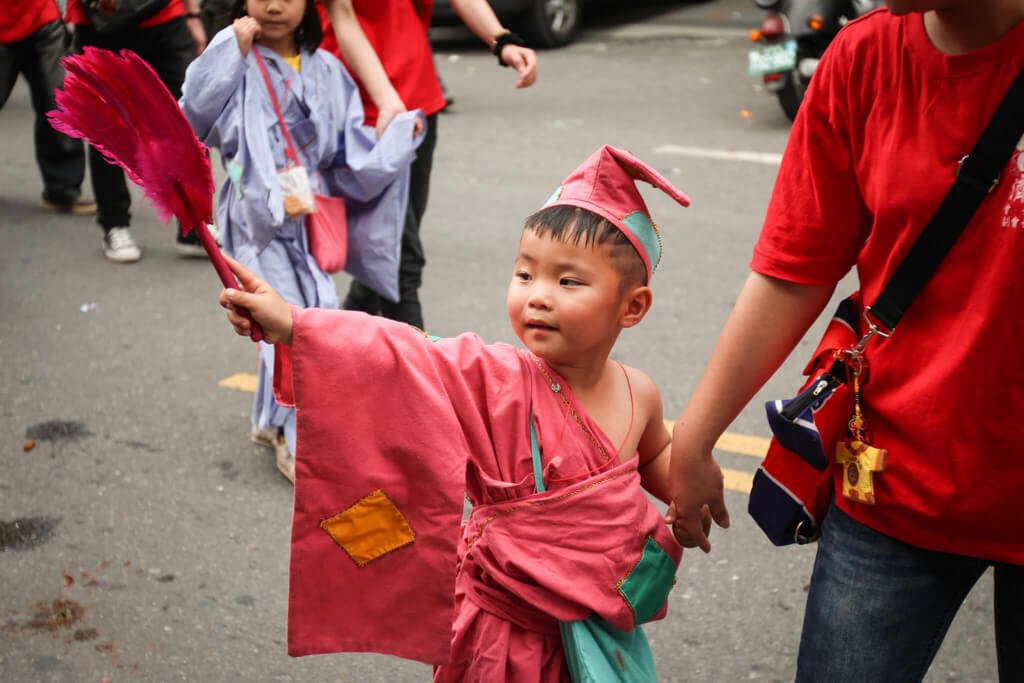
[772,58]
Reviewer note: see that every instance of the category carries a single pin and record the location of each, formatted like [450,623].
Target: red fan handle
[226,276]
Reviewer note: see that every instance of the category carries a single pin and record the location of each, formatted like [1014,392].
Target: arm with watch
[509,48]
[194,21]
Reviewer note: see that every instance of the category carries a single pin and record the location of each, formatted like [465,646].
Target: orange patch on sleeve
[369,529]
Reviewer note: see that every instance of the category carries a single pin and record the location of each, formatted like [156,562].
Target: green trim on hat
[645,231]
[555,195]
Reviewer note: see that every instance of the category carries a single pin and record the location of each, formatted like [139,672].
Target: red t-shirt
[397,30]
[75,14]
[870,157]
[24,17]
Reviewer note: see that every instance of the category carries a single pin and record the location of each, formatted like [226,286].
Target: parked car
[542,23]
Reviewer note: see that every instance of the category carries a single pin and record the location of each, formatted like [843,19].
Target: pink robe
[381,408]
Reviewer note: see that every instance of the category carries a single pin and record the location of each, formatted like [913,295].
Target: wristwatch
[501,39]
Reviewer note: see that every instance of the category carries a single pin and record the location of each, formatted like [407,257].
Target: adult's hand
[697,498]
[523,60]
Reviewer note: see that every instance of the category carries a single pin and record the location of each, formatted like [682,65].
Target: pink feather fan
[120,106]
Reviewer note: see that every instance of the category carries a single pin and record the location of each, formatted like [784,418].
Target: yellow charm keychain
[858,459]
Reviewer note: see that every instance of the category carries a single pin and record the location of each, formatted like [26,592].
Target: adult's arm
[479,18]
[195,24]
[769,319]
[364,62]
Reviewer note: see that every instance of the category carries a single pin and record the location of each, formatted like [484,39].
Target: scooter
[791,40]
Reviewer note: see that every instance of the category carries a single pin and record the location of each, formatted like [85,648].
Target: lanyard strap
[290,151]
[976,175]
[538,475]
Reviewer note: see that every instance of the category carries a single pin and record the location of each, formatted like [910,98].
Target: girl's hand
[247,30]
[523,60]
[389,111]
[264,305]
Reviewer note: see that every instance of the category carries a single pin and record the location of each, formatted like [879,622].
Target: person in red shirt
[899,98]
[168,40]
[32,42]
[392,61]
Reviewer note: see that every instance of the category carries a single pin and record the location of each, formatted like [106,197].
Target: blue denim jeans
[879,608]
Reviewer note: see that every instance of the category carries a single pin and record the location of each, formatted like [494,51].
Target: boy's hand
[247,30]
[672,516]
[264,304]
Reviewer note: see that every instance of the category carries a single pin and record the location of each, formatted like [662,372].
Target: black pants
[168,48]
[410,267]
[61,159]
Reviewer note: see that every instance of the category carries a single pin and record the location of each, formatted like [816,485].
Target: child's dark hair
[308,34]
[573,224]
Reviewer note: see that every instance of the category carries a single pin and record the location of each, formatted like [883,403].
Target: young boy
[551,445]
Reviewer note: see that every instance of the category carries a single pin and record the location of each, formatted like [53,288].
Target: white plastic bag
[297,193]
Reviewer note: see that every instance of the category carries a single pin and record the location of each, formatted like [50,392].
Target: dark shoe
[189,245]
[77,207]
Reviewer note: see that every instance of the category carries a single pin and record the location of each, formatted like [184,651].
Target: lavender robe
[225,99]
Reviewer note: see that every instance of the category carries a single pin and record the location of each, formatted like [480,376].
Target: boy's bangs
[575,225]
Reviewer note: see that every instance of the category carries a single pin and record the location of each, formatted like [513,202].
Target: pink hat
[604,184]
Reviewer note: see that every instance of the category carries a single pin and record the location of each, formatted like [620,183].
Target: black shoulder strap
[977,174]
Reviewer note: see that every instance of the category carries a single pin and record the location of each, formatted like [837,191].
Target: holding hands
[247,30]
[265,305]
[697,497]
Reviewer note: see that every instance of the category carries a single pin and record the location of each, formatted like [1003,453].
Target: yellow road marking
[243,381]
[735,480]
[743,444]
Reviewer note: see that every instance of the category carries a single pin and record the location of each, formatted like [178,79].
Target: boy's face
[564,300]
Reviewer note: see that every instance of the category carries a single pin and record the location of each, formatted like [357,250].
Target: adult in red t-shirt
[32,42]
[391,59]
[900,97]
[168,40]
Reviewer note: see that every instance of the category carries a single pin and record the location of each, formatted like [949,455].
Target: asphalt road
[154,537]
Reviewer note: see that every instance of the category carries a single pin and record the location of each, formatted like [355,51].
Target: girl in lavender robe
[226,99]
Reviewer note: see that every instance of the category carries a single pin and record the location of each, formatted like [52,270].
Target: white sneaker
[119,247]
[215,231]
[285,459]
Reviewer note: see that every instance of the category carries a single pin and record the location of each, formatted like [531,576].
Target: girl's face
[278,20]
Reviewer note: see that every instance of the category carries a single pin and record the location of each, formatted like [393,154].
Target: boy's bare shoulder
[642,384]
